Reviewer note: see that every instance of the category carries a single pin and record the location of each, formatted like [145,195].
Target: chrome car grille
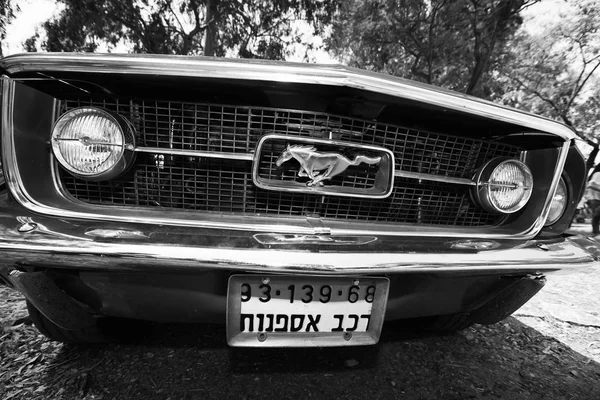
[170,181]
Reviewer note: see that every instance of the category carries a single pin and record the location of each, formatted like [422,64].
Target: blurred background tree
[553,69]
[7,14]
[549,66]
[455,44]
[248,29]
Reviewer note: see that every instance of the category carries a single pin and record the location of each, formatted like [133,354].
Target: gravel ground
[544,352]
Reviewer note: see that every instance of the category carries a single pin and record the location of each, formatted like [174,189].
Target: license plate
[305,311]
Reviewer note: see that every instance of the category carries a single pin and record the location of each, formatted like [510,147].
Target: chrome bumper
[68,245]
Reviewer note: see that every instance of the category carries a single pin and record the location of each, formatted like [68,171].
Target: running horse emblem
[321,166]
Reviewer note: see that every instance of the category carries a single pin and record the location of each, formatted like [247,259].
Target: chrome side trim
[430,177]
[194,153]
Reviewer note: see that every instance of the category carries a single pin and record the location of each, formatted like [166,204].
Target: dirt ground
[568,308]
[550,349]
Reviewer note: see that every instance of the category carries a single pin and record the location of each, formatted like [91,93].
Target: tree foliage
[449,43]
[7,14]
[555,69]
[250,29]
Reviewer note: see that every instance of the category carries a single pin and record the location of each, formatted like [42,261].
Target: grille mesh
[225,186]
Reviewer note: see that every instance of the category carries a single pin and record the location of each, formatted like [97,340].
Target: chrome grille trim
[250,157]
[20,190]
[225,134]
[232,132]
[230,191]
[435,178]
[195,153]
[229,131]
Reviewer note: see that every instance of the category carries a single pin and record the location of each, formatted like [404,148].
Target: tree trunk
[209,38]
[592,157]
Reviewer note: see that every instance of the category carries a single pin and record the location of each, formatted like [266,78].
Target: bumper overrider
[299,205]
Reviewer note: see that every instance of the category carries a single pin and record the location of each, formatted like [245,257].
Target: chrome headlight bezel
[124,148]
[561,194]
[484,185]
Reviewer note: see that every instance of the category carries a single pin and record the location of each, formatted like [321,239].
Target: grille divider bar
[435,178]
[194,153]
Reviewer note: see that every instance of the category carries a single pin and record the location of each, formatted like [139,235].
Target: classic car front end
[300,205]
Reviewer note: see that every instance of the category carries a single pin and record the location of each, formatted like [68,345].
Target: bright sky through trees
[531,59]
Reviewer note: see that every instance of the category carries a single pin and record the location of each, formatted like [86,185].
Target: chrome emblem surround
[312,164]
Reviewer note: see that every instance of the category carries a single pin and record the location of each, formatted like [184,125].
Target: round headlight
[559,203]
[503,185]
[92,143]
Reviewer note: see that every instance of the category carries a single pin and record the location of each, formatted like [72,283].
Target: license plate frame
[263,338]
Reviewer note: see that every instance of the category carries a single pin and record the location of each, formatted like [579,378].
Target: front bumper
[40,242]
[175,274]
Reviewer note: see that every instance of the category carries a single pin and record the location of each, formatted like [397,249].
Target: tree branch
[547,100]
[169,4]
[585,81]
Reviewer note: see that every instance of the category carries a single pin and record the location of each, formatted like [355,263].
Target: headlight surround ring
[559,204]
[503,186]
[92,143]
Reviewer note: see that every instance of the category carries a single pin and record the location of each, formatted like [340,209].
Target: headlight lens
[504,186]
[559,203]
[91,143]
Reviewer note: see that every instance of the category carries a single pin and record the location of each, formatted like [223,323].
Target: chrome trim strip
[303,74]
[251,156]
[430,177]
[30,227]
[11,174]
[194,153]
[260,70]
[562,159]
[282,239]
[105,90]
[573,252]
